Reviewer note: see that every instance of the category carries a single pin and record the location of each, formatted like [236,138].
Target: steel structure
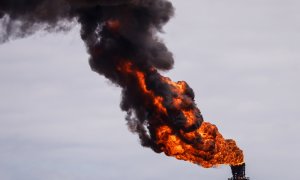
[239,172]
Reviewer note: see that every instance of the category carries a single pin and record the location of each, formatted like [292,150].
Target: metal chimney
[239,172]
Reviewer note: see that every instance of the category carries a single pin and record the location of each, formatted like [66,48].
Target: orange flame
[212,149]
[208,149]
[113,25]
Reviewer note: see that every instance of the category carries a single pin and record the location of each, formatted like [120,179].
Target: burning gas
[175,123]
[120,36]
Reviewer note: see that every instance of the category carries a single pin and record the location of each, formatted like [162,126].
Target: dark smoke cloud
[140,19]
[24,17]
[114,31]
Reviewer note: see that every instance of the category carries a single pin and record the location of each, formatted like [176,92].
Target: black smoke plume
[117,32]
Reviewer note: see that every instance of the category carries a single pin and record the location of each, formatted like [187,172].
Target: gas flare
[193,140]
[121,38]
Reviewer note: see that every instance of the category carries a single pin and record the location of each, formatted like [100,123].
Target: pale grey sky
[61,121]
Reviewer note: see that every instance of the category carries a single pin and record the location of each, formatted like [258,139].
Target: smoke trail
[121,38]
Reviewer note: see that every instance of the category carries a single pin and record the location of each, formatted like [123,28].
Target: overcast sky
[61,121]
